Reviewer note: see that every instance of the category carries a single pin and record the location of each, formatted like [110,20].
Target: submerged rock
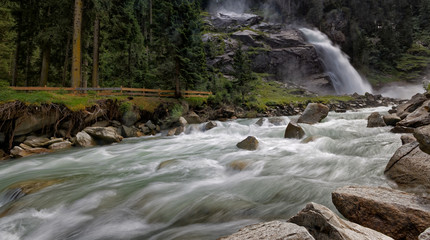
[271,230]
[167,164]
[375,120]
[323,224]
[260,122]
[314,113]
[409,167]
[250,143]
[293,130]
[397,214]
[210,125]
[239,165]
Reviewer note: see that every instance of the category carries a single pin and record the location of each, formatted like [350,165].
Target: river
[121,192]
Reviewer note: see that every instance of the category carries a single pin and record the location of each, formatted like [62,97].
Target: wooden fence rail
[119,91]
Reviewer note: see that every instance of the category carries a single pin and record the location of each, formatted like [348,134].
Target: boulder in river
[271,230]
[375,120]
[323,224]
[250,143]
[422,134]
[397,214]
[314,113]
[102,135]
[391,119]
[293,130]
[193,118]
[210,125]
[409,167]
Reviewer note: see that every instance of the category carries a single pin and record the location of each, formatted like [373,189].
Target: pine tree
[244,77]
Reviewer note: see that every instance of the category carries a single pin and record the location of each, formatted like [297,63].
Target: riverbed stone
[239,165]
[375,120]
[271,230]
[210,125]
[422,134]
[425,235]
[250,143]
[410,167]
[34,141]
[407,138]
[395,213]
[260,122]
[83,139]
[193,118]
[314,113]
[293,130]
[391,119]
[129,132]
[323,224]
[182,121]
[60,145]
[277,121]
[102,135]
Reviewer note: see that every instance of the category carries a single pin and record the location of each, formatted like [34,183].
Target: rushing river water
[120,192]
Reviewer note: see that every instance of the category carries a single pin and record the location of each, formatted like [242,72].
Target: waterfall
[344,77]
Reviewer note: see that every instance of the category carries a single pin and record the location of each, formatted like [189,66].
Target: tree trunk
[66,60]
[17,50]
[150,22]
[77,55]
[95,75]
[177,79]
[45,66]
[29,53]
[85,67]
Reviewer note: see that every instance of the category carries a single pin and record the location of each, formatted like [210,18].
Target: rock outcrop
[406,108]
[323,224]
[419,117]
[314,113]
[271,230]
[397,214]
[250,143]
[410,167]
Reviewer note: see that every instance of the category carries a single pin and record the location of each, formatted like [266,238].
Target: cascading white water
[344,77]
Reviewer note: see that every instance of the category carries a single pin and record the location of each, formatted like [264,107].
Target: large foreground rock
[410,167]
[103,135]
[314,113]
[250,143]
[323,224]
[419,117]
[271,230]
[395,213]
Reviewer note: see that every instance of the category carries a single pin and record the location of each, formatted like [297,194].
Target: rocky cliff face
[278,52]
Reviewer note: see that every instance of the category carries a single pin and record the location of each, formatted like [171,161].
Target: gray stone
[193,118]
[34,141]
[271,230]
[419,117]
[182,121]
[260,122]
[407,138]
[314,113]
[101,124]
[293,130]
[131,117]
[375,120]
[425,235]
[409,167]
[210,125]
[397,214]
[102,135]
[250,143]
[150,125]
[277,121]
[323,224]
[83,139]
[129,132]
[406,108]
[422,135]
[60,145]
[391,119]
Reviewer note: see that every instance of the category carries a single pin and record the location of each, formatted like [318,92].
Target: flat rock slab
[271,230]
[323,224]
[397,214]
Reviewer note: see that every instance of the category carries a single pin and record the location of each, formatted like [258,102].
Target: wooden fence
[119,91]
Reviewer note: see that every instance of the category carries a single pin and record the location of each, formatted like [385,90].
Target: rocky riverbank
[31,129]
[400,212]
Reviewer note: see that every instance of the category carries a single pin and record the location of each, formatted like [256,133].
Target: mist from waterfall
[345,79]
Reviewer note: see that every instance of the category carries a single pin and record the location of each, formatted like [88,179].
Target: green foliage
[125,107]
[244,77]
[176,111]
[196,102]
